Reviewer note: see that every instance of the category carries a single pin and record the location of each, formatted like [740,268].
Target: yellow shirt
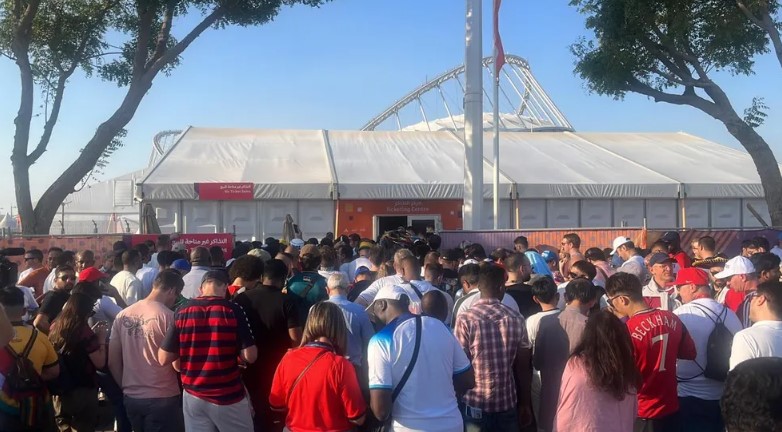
[42,354]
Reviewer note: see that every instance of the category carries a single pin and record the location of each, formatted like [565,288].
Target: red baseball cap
[691,275]
[91,274]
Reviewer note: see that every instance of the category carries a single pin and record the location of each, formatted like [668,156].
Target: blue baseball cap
[549,256]
[181,265]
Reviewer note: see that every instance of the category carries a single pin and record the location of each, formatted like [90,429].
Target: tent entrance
[421,224]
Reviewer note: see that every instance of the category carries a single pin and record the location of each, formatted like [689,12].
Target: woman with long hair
[598,391]
[315,384]
[82,350]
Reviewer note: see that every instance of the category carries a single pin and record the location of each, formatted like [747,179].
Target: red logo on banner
[224,191]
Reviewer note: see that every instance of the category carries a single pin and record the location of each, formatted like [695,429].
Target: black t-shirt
[271,313]
[53,302]
[358,288]
[522,293]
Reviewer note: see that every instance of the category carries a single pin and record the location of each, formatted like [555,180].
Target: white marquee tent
[548,179]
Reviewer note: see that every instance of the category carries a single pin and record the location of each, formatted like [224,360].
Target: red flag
[499,52]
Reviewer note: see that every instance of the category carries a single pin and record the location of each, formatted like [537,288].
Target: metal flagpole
[496,189]
[473,117]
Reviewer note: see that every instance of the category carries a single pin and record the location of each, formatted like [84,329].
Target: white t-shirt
[128,286]
[700,324]
[634,265]
[193,281]
[368,295]
[48,284]
[427,402]
[763,339]
[147,276]
[467,301]
[24,274]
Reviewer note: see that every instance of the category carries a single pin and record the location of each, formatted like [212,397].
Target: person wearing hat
[658,293]
[742,285]
[631,262]
[364,278]
[699,396]
[214,397]
[675,250]
[450,259]
[427,399]
[201,260]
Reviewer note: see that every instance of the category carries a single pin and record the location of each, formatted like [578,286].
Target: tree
[669,50]
[762,13]
[50,40]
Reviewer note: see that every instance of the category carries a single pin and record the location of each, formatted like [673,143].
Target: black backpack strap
[27,348]
[417,291]
[418,330]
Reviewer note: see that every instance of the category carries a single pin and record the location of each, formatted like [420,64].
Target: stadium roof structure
[437,104]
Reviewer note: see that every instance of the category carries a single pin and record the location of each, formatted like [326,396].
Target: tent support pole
[473,117]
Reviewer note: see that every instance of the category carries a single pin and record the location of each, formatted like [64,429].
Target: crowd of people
[399,334]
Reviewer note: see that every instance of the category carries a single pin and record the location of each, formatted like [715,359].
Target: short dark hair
[434,241]
[275,270]
[580,289]
[661,243]
[514,261]
[310,262]
[376,255]
[434,305]
[469,272]
[163,241]
[65,258]
[165,258]
[624,283]
[707,242]
[761,241]
[500,254]
[764,261]
[55,249]
[11,296]
[247,267]
[586,267]
[772,291]
[169,279]
[753,395]
[491,277]
[142,249]
[35,254]
[475,251]
[595,254]
[521,240]
[345,250]
[64,268]
[545,289]
[434,270]
[130,256]
[119,246]
[573,238]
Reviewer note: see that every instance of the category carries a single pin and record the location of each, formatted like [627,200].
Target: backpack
[24,385]
[718,347]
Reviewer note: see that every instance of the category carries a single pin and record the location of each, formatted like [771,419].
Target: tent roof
[312,164]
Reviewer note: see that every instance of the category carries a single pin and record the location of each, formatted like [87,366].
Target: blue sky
[338,66]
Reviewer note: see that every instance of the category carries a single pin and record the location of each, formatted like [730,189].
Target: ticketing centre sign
[224,191]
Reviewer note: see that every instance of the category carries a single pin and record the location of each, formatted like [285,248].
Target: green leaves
[664,43]
[756,115]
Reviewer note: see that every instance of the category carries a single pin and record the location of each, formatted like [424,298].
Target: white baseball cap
[736,266]
[619,241]
[389,292]
[297,243]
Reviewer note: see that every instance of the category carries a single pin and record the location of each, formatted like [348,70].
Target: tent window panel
[697,213]
[661,213]
[123,193]
[201,217]
[317,217]
[595,213]
[760,206]
[532,213]
[562,213]
[629,213]
[725,213]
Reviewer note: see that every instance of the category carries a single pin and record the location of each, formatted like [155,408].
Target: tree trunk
[49,204]
[765,162]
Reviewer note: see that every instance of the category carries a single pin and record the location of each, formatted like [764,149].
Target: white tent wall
[506,219]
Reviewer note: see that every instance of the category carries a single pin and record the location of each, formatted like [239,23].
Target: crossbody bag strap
[301,375]
[413,360]
[417,291]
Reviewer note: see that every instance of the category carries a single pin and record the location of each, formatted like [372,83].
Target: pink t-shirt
[140,330]
[583,408]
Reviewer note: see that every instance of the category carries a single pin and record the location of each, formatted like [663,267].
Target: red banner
[192,241]
[224,191]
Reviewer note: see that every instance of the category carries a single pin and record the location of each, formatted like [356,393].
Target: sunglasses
[28,258]
[67,278]
[572,275]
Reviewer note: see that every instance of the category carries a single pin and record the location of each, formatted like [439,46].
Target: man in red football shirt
[659,338]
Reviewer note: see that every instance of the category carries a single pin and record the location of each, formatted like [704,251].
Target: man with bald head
[200,261]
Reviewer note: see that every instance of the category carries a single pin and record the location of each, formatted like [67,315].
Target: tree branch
[687,98]
[48,127]
[177,49]
[142,41]
[165,33]
[767,24]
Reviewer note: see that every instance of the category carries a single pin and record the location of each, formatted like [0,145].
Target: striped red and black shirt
[208,333]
